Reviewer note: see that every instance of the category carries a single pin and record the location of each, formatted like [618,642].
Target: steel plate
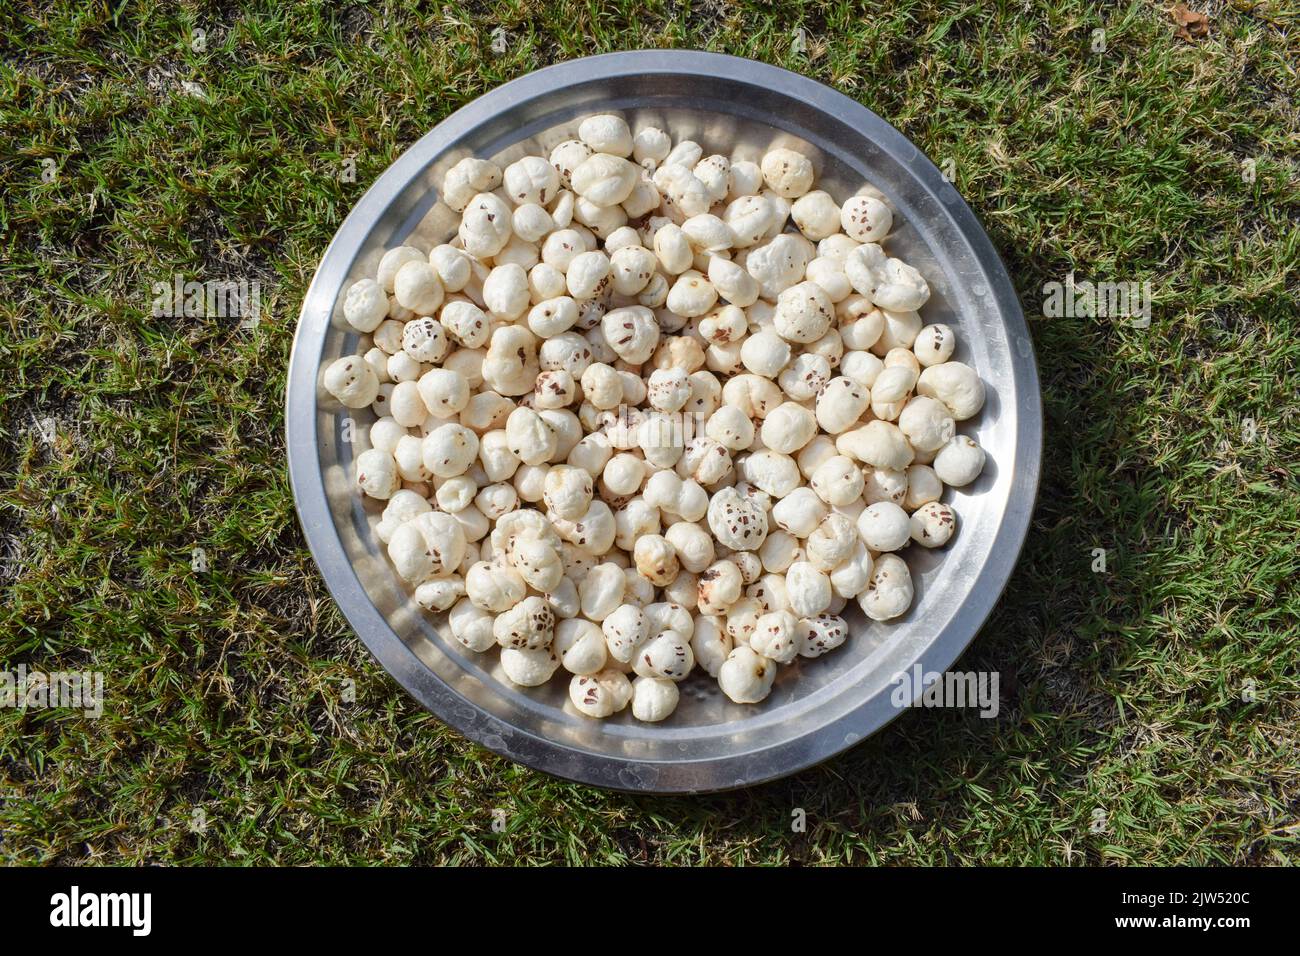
[817,708]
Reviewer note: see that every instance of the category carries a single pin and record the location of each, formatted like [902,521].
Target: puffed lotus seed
[889,593]
[746,677]
[787,173]
[884,526]
[821,633]
[959,462]
[657,425]
[933,524]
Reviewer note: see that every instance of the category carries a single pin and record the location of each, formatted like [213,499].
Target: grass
[1149,711]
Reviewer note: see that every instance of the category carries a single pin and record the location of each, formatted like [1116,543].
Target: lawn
[1149,688]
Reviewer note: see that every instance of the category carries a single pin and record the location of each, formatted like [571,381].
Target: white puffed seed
[923,486]
[884,526]
[580,646]
[837,481]
[889,593]
[788,428]
[956,385]
[866,219]
[933,524]
[787,173]
[959,462]
[606,133]
[377,474]
[745,676]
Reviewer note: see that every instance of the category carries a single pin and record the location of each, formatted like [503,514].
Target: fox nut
[656,559]
[605,180]
[606,133]
[567,491]
[927,423]
[933,524]
[851,576]
[809,589]
[816,215]
[821,633]
[567,156]
[884,484]
[601,591]
[600,695]
[841,404]
[719,586]
[653,698]
[787,173]
[494,588]
[771,472]
[865,219]
[889,594]
[746,677]
[625,629]
[934,345]
[449,450]
[959,462]
[923,486]
[471,625]
[799,512]
[691,295]
[366,305]
[377,474]
[893,384]
[778,264]
[837,481]
[406,405]
[454,266]
[444,391]
[505,292]
[485,227]
[652,144]
[788,427]
[588,275]
[710,643]
[736,522]
[668,389]
[403,505]
[731,428]
[531,180]
[351,381]
[538,562]
[831,542]
[693,546]
[529,667]
[877,443]
[666,655]
[957,385]
[580,646]
[765,354]
[439,594]
[884,526]
[632,332]
[510,366]
[466,323]
[776,637]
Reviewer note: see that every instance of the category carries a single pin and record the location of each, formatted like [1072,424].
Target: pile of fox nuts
[652,409]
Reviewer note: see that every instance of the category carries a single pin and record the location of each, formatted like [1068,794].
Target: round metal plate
[817,708]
